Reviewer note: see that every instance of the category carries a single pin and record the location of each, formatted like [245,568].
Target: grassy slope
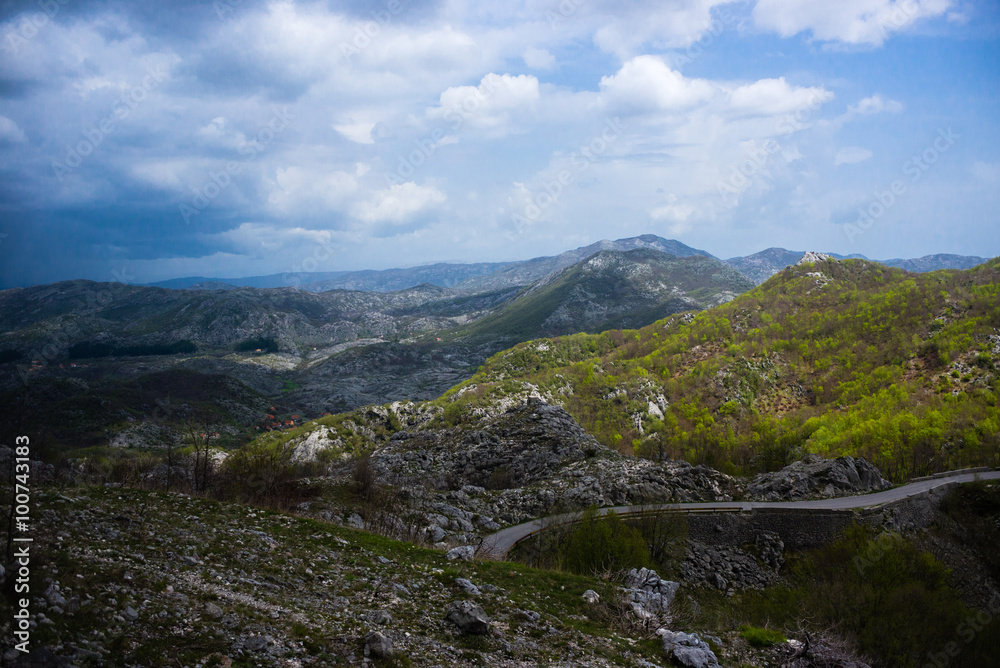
[281,576]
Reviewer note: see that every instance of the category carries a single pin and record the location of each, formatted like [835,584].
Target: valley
[396,436]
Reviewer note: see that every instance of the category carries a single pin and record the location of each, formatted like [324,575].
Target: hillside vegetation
[836,358]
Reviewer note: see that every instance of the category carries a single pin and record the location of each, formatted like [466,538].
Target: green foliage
[260,473]
[881,592]
[759,637]
[603,543]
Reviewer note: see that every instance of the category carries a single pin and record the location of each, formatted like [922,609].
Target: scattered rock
[381,618]
[378,646]
[468,617]
[591,596]
[730,568]
[213,611]
[467,586]
[465,553]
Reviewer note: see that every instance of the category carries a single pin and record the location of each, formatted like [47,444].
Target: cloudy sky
[146,141]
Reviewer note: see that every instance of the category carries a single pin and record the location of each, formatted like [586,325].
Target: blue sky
[238,138]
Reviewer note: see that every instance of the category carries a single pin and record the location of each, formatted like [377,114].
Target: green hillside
[840,357]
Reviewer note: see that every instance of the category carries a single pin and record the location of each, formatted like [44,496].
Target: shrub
[600,544]
[260,473]
[502,478]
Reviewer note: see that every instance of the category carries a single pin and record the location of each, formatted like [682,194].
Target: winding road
[500,543]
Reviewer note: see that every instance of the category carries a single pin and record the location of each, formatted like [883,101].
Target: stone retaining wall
[804,529]
[799,529]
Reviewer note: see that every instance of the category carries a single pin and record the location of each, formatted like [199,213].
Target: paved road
[502,541]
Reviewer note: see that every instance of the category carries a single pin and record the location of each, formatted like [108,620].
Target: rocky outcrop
[526,444]
[812,257]
[815,477]
[731,568]
[527,461]
[648,594]
[688,649]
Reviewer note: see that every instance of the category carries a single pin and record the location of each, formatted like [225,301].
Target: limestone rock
[468,617]
[465,553]
[811,257]
[688,649]
[378,646]
[815,477]
[467,586]
[648,593]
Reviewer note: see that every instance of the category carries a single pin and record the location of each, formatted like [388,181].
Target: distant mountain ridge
[934,262]
[471,277]
[763,265]
[484,276]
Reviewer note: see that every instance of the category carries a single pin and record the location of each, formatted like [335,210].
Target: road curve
[500,543]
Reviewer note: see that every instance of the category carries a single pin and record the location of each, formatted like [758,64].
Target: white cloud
[646,84]
[776,96]
[876,105]
[538,59]
[299,189]
[863,22]
[10,132]
[360,133]
[624,28]
[850,155]
[258,239]
[987,172]
[399,203]
[676,215]
[495,105]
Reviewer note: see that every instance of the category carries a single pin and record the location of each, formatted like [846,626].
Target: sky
[146,141]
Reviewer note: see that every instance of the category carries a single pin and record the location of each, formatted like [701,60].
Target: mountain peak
[812,257]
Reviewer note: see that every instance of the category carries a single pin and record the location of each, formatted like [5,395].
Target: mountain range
[475,277]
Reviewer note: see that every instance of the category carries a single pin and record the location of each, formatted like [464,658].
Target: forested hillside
[839,357]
